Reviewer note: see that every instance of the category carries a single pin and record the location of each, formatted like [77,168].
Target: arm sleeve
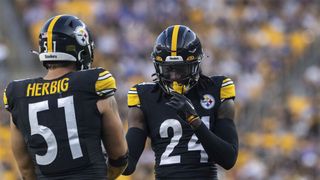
[221,145]
[136,139]
[105,85]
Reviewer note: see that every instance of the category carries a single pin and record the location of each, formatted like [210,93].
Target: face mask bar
[171,73]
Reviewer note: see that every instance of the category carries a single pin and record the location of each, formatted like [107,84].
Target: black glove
[184,107]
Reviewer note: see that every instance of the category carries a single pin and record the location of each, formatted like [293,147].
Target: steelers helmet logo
[82,36]
[207,102]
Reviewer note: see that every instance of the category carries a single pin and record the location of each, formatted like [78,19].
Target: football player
[59,120]
[188,116]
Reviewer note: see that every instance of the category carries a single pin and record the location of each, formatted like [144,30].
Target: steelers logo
[82,36]
[207,101]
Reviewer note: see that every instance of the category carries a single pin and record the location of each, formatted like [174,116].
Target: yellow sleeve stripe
[105,84]
[227,92]
[227,84]
[103,73]
[104,77]
[226,80]
[133,89]
[5,99]
[133,100]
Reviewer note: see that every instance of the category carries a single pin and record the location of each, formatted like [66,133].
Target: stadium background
[269,48]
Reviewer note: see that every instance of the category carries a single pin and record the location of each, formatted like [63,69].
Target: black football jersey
[60,121]
[178,153]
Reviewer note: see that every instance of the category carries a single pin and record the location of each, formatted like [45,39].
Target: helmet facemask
[177,76]
[85,57]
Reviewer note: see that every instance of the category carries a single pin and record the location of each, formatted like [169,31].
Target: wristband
[121,161]
[192,118]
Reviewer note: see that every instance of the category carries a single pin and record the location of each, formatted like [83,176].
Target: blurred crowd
[260,44]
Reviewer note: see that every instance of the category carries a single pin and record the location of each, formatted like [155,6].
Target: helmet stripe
[49,32]
[174,40]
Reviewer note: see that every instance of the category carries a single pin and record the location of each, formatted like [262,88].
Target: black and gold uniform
[178,152]
[60,122]
[187,115]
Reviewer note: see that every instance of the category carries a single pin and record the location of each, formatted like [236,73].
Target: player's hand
[184,107]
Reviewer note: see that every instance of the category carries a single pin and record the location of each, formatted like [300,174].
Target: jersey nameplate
[53,87]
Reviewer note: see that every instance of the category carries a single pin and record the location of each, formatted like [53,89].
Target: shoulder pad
[133,95]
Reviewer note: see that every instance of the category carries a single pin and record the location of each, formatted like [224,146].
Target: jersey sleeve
[7,98]
[105,85]
[227,90]
[133,97]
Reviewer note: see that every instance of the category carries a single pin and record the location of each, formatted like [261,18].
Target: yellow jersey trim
[103,85]
[228,91]
[5,99]
[103,73]
[133,97]
[133,100]
[226,80]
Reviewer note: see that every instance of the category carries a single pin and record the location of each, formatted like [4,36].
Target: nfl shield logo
[207,102]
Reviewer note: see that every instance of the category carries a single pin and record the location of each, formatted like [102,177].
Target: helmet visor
[180,72]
